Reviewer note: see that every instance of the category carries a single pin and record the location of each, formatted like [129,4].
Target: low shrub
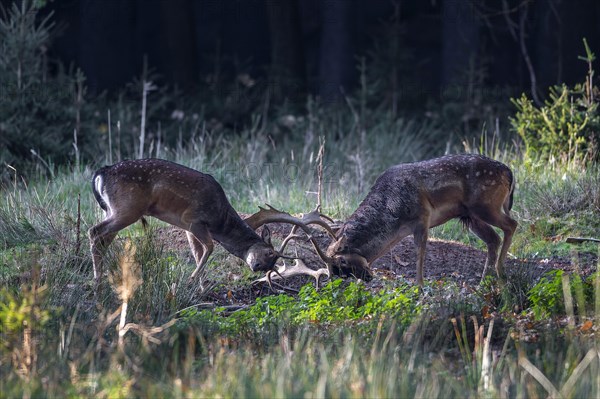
[567,126]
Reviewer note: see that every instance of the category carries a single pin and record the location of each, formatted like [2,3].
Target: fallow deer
[191,200]
[411,198]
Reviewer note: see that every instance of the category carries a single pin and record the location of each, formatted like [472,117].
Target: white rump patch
[99,186]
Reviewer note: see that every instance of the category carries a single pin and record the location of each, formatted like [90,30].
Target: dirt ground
[444,260]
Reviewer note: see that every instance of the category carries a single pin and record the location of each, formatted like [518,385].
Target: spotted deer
[411,198]
[183,197]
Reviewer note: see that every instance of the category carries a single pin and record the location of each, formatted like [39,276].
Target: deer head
[262,256]
[343,262]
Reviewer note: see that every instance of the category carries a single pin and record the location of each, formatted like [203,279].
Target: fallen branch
[579,240]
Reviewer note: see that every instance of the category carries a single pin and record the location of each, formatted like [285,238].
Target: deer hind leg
[508,226]
[484,231]
[420,235]
[101,235]
[201,244]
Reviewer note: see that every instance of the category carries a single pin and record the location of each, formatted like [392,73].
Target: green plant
[558,293]
[38,109]
[23,317]
[567,126]
[336,304]
[479,368]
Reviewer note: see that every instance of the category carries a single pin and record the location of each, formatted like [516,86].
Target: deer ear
[341,244]
[266,235]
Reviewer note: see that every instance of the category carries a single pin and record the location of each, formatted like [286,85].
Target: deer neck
[234,234]
[376,225]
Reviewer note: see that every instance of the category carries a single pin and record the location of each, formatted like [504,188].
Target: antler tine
[328,260]
[267,215]
[298,269]
[269,277]
[271,214]
[290,237]
[315,273]
[318,210]
[314,217]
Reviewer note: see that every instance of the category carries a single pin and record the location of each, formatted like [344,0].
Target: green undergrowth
[338,303]
[558,293]
[338,341]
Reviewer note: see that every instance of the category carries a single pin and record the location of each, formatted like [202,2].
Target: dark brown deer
[183,197]
[411,198]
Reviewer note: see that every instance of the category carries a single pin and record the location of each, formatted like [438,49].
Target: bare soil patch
[447,260]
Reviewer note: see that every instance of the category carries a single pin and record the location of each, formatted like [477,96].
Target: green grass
[341,341]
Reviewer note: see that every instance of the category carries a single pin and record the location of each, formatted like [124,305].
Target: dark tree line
[311,46]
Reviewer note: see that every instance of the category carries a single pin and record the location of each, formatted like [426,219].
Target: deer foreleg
[101,235]
[201,245]
[420,236]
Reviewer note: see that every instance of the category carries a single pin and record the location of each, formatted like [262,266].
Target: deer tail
[508,205]
[465,221]
[97,185]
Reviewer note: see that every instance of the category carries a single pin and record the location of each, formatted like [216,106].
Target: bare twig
[118,140]
[44,163]
[70,333]
[568,387]
[539,376]
[76,148]
[526,57]
[320,156]
[78,226]
[110,161]
[579,240]
[147,86]
[148,333]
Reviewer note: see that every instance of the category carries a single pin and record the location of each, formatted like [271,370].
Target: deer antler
[298,269]
[270,215]
[304,226]
[290,237]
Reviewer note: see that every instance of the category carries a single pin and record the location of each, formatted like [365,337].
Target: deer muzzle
[354,265]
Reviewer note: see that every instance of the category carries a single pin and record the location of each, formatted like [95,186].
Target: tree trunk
[106,45]
[178,42]
[336,64]
[460,40]
[287,75]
